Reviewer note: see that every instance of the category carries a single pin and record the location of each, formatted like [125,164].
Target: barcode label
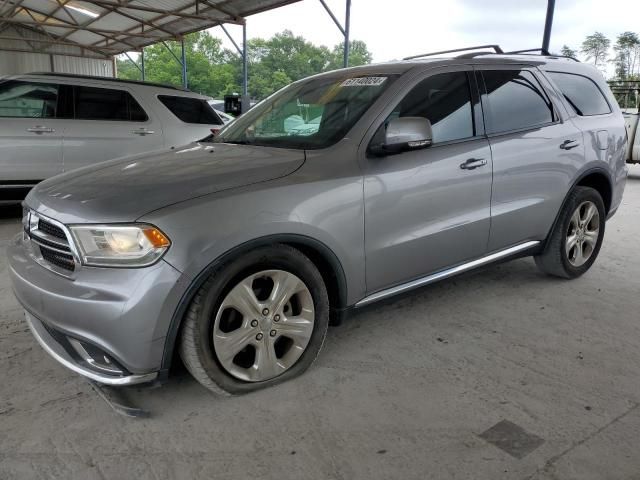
[363,82]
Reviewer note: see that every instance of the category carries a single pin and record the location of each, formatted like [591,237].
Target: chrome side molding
[434,277]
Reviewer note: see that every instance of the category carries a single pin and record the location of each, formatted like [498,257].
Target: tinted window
[516,101]
[581,93]
[191,110]
[28,99]
[445,101]
[91,103]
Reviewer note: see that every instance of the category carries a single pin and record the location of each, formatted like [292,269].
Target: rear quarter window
[582,93]
[190,110]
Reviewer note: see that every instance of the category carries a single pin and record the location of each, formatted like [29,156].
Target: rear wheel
[575,241]
[258,320]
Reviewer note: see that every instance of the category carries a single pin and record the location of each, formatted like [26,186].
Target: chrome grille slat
[50,248]
[50,244]
[49,241]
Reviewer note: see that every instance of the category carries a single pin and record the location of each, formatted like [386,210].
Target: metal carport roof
[103,28]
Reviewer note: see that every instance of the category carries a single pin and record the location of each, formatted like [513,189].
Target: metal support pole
[141,70]
[546,39]
[184,64]
[244,61]
[142,63]
[333,17]
[246,102]
[344,30]
[347,26]
[226,32]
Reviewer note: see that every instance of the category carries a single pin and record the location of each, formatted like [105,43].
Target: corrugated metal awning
[103,28]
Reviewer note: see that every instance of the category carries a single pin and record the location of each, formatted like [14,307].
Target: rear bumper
[618,190]
[60,354]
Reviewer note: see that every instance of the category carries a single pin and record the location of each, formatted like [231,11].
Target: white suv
[52,123]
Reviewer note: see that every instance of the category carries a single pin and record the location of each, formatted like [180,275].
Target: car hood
[125,189]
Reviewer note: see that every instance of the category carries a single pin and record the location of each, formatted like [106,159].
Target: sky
[399,28]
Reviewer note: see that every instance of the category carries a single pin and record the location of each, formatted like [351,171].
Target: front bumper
[56,350]
[123,315]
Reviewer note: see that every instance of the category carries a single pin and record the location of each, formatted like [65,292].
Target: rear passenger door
[107,123]
[535,151]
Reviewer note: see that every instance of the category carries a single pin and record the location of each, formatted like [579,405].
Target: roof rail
[496,48]
[109,79]
[529,51]
[542,51]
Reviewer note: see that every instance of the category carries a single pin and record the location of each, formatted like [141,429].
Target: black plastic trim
[584,174]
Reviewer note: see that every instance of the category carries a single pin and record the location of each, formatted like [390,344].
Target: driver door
[429,209]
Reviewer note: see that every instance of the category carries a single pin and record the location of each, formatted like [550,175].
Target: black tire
[554,259]
[196,344]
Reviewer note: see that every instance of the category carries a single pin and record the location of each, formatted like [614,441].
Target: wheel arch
[325,260]
[596,178]
[599,181]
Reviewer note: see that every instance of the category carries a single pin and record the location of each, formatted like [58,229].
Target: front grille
[59,259]
[52,243]
[51,229]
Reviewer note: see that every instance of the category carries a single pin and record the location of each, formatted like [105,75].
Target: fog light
[95,357]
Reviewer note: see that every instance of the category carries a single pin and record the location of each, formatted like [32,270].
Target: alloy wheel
[582,233]
[263,325]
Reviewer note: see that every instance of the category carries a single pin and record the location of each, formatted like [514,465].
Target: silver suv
[239,250]
[52,123]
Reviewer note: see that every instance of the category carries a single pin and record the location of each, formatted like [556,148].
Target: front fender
[326,215]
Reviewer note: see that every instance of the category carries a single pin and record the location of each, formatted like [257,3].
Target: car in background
[226,118]
[218,106]
[632,123]
[53,123]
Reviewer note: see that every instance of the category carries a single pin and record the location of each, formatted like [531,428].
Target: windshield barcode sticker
[363,82]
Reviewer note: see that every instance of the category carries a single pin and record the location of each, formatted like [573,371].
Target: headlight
[119,245]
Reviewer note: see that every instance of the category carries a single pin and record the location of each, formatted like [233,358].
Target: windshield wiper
[235,142]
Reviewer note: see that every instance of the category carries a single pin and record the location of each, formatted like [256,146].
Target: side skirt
[434,277]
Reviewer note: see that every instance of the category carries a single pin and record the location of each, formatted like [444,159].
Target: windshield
[311,114]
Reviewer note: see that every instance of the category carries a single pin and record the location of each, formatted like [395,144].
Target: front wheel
[577,237]
[258,320]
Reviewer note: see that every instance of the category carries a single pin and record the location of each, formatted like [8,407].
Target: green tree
[627,48]
[358,55]
[567,51]
[596,47]
[127,70]
[207,64]
[216,71]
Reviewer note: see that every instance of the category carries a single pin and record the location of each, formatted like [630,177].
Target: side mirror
[403,134]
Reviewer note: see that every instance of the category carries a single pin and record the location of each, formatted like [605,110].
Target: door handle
[569,144]
[142,131]
[40,129]
[473,163]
